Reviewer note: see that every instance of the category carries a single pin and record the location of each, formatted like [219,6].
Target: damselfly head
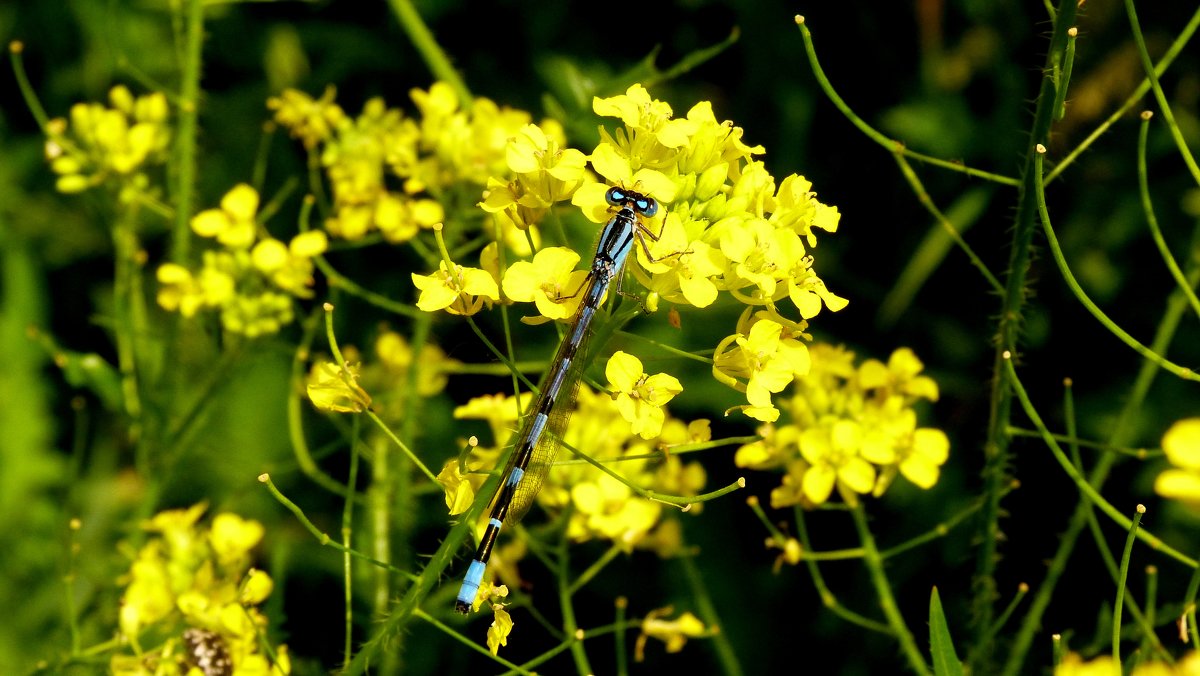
[620,197]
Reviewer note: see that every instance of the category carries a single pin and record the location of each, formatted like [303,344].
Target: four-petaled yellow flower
[550,281]
[462,293]
[766,359]
[336,390]
[640,396]
[233,224]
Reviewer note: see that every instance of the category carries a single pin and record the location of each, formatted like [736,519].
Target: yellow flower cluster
[727,227]
[601,506]
[1074,665]
[102,144]
[252,279]
[191,597]
[339,391]
[391,173]
[852,428]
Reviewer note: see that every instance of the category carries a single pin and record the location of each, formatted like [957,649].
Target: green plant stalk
[1062,82]
[300,450]
[1059,259]
[827,597]
[619,648]
[468,643]
[708,613]
[883,590]
[926,201]
[888,144]
[430,576]
[1152,220]
[430,51]
[1114,572]
[1163,105]
[1168,58]
[996,454]
[1089,491]
[1118,604]
[1150,638]
[347,535]
[569,624]
[125,249]
[1032,622]
[185,138]
[323,538]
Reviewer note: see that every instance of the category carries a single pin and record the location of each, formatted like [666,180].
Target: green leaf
[941,645]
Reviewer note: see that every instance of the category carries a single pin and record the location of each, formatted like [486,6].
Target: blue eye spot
[647,207]
[615,196]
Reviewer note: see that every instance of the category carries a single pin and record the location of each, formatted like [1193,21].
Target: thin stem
[1069,278]
[891,145]
[1132,100]
[435,58]
[1152,220]
[347,534]
[883,590]
[1164,106]
[1086,488]
[1119,604]
[708,613]
[186,129]
[324,538]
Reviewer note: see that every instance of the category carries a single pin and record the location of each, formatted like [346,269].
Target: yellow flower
[502,626]
[683,272]
[500,411]
[833,456]
[105,144]
[397,358]
[640,396]
[290,266]
[310,120]
[1073,665]
[330,389]
[648,120]
[233,224]
[549,172]
[766,360]
[900,376]
[674,633]
[460,492]
[195,583]
[233,537]
[759,255]
[462,293]
[550,281]
[607,508]
[1181,444]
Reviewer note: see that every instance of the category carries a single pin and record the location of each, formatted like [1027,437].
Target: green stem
[883,591]
[185,136]
[997,458]
[708,613]
[1069,278]
[1152,220]
[347,534]
[891,145]
[429,49]
[1119,604]
[1164,106]
[1031,625]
